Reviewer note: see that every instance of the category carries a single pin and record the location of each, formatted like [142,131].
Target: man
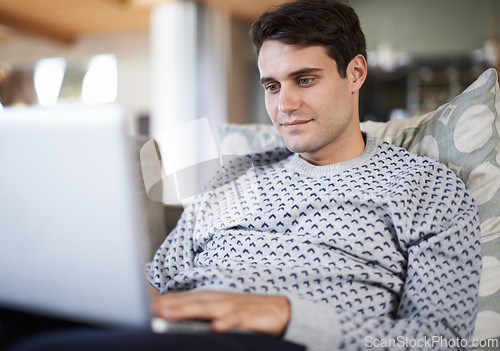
[339,241]
[355,244]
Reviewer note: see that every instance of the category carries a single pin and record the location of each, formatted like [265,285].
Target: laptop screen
[72,241]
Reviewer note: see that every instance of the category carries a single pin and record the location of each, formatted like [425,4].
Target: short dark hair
[328,23]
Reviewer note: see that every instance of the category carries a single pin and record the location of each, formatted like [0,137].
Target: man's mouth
[296,123]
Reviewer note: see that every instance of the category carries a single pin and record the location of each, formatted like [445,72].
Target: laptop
[72,236]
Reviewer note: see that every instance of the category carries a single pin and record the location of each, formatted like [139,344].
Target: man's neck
[338,152]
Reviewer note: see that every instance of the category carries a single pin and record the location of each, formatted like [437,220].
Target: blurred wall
[427,27]
[133,61]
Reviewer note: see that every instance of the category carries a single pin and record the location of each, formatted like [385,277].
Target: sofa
[464,134]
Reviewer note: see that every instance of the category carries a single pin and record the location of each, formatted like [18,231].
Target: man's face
[313,108]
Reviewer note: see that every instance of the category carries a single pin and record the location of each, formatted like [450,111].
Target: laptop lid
[72,242]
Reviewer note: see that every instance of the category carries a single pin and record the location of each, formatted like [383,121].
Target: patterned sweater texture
[378,252]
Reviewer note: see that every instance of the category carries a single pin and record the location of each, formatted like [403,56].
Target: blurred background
[169,62]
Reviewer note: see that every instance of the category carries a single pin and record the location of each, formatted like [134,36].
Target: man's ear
[357,71]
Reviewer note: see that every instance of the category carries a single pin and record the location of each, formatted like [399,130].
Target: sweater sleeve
[173,266]
[438,304]
[175,254]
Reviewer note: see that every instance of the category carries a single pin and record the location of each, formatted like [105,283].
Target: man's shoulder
[414,165]
[238,166]
[397,154]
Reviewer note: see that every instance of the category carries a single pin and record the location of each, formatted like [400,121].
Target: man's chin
[298,142]
[298,147]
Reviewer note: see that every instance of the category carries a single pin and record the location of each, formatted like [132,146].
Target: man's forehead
[280,58]
[274,47]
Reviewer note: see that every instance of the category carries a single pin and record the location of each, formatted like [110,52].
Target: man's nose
[289,100]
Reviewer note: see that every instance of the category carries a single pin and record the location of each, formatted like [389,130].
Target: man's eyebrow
[299,72]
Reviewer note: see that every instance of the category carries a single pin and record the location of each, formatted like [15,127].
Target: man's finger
[188,307]
[267,314]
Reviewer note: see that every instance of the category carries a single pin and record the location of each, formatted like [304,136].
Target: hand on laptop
[226,310]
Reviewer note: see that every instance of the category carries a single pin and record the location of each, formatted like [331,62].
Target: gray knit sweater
[379,251]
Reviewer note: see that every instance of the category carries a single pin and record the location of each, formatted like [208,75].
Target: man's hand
[260,313]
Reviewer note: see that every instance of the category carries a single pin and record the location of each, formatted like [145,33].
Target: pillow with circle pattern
[464,135]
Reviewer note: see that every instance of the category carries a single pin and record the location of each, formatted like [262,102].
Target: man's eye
[272,88]
[305,81]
